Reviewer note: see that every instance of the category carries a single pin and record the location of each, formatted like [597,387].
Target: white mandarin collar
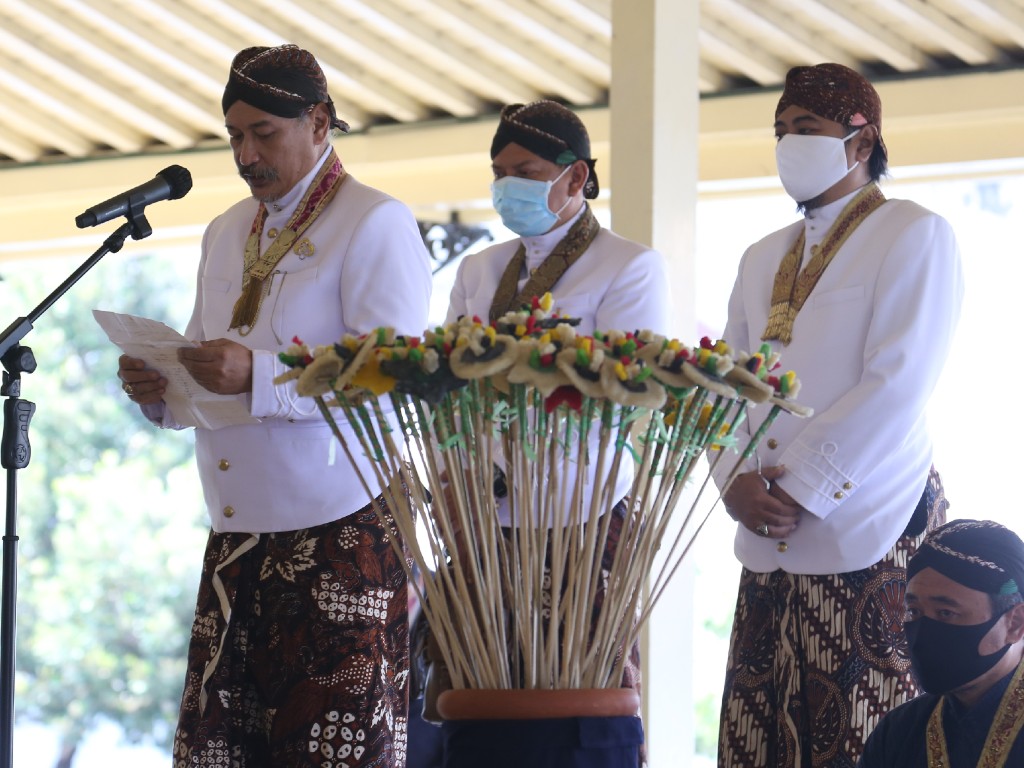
[285,207]
[539,247]
[817,221]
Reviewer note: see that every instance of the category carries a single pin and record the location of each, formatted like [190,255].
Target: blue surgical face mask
[523,204]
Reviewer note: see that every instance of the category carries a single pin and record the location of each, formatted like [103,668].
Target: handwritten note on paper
[157,344]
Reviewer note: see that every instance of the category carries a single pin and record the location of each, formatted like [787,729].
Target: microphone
[170,184]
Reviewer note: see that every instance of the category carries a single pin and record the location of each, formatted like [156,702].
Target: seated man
[965,631]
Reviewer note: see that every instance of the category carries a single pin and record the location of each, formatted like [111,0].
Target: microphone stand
[15,452]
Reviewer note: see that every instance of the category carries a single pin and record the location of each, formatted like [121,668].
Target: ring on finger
[762,529]
[128,389]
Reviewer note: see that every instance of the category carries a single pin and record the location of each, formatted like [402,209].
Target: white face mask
[809,164]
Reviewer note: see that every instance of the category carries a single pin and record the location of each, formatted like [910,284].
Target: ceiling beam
[419,80]
[74,85]
[1000,17]
[29,122]
[61,36]
[211,45]
[492,42]
[376,95]
[442,166]
[943,31]
[48,100]
[724,45]
[17,146]
[555,35]
[783,33]
[837,20]
[458,63]
[153,41]
[590,16]
[710,78]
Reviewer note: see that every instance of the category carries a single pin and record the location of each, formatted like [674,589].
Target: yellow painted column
[654,105]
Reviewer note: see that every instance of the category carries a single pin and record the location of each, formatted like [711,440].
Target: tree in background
[110,514]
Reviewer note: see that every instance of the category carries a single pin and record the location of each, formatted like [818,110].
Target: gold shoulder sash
[256,267]
[793,285]
[569,249]
[1002,735]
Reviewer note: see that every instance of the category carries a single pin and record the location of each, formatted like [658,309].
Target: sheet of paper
[157,344]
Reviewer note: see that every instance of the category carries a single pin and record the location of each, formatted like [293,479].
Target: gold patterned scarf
[256,267]
[1002,735]
[543,278]
[793,285]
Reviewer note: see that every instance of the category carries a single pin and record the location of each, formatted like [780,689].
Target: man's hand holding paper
[143,385]
[198,383]
[221,366]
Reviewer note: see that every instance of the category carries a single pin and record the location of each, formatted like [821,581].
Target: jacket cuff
[813,478]
[262,400]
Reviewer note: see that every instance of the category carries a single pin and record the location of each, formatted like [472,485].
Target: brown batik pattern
[816,661]
[832,91]
[314,667]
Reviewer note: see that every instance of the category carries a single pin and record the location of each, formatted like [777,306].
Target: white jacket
[369,268]
[615,285]
[868,346]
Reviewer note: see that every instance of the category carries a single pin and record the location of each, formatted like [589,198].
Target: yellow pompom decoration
[372,378]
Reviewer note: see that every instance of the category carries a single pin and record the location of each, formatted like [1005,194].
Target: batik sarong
[299,651]
[816,661]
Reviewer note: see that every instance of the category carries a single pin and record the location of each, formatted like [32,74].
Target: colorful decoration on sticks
[563,421]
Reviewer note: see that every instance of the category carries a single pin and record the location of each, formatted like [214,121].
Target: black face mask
[945,656]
